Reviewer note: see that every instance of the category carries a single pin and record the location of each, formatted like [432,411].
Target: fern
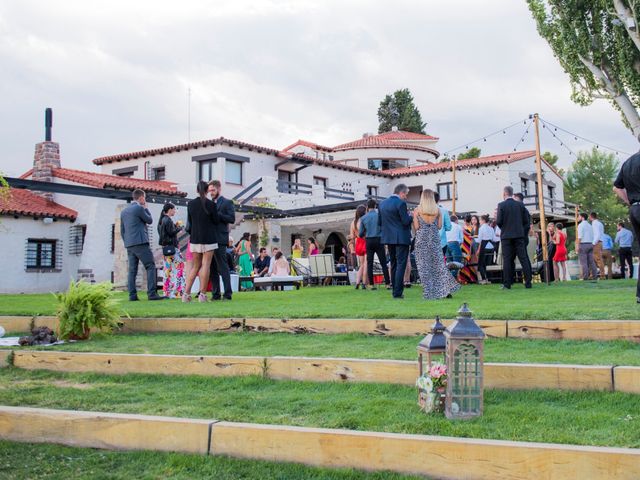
[87,306]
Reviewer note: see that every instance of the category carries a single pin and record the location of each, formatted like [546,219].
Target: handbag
[168,250]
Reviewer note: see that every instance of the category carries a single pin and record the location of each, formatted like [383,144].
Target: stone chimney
[46,157]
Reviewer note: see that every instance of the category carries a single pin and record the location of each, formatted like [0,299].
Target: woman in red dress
[560,257]
[361,249]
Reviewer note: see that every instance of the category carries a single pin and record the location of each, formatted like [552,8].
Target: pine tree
[399,110]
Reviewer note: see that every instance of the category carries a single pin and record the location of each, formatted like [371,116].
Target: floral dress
[174,281]
[436,280]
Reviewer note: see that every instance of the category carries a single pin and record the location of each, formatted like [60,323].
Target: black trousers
[220,268]
[626,258]
[512,248]
[482,259]
[374,247]
[398,254]
[634,216]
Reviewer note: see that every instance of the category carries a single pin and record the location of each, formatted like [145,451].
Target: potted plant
[86,306]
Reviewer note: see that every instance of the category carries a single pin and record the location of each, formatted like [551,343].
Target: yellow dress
[295,253]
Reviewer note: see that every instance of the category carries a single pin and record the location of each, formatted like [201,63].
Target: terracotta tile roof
[26,203]
[332,164]
[102,180]
[312,145]
[402,135]
[185,146]
[468,163]
[379,141]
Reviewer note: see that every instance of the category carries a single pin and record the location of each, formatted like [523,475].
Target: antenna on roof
[48,123]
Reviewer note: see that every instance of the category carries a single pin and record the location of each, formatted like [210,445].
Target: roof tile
[27,203]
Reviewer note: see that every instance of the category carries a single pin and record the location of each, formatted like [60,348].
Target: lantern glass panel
[466,378]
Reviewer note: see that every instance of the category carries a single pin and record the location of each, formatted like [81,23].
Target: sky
[117,75]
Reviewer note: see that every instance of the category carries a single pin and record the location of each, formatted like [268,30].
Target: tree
[552,159]
[398,110]
[588,184]
[597,43]
[473,152]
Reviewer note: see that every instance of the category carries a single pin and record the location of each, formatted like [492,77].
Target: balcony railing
[339,194]
[552,206]
[294,188]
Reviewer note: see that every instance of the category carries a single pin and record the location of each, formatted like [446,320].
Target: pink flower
[438,371]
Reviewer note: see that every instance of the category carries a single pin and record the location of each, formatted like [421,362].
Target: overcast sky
[269,72]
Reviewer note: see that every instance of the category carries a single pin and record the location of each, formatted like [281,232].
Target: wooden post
[455,188]
[543,220]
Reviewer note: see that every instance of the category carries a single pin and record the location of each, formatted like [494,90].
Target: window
[206,170]
[524,187]
[76,239]
[386,163]
[41,253]
[158,173]
[124,172]
[233,172]
[445,190]
[550,189]
[113,238]
[372,190]
[320,181]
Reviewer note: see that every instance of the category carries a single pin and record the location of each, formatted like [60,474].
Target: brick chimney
[46,157]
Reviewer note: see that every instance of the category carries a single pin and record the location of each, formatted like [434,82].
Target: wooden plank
[387,327]
[21,324]
[436,457]
[4,358]
[626,379]
[121,363]
[104,430]
[517,376]
[575,329]
[315,369]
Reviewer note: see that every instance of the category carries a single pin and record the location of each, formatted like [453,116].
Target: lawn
[20,461]
[585,418]
[501,350]
[613,299]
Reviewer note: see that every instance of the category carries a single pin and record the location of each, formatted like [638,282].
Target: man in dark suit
[395,223]
[133,229]
[219,263]
[513,220]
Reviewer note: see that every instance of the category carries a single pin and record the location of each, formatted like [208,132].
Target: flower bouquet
[432,386]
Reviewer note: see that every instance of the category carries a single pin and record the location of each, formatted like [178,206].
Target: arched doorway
[334,245]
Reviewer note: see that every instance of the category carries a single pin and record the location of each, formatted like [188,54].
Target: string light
[576,137]
[483,138]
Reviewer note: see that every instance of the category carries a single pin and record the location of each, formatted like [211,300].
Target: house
[315,188]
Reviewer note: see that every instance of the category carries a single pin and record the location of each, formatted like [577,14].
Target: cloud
[270,72]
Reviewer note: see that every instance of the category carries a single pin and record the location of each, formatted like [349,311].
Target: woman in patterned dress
[437,281]
[174,275]
[467,274]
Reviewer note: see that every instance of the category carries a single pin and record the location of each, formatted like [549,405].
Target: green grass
[501,350]
[613,299]
[586,418]
[22,461]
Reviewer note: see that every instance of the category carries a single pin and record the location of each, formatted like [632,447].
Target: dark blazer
[395,221]
[202,221]
[227,216]
[513,219]
[133,225]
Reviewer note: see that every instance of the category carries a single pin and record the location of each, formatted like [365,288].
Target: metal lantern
[431,345]
[464,357]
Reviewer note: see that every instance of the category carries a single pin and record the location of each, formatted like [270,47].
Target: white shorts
[202,248]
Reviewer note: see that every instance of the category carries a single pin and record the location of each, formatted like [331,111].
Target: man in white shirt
[454,241]
[585,249]
[598,233]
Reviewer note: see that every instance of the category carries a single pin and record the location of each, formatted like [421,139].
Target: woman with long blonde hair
[436,280]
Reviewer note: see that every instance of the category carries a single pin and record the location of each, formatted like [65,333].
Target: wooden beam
[436,457]
[627,379]
[4,358]
[114,431]
[519,376]
[575,329]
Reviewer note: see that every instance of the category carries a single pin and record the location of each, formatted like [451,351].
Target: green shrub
[87,306]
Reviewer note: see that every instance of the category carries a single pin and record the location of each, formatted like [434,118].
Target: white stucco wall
[15,278]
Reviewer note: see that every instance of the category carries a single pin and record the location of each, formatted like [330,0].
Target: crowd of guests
[446,253]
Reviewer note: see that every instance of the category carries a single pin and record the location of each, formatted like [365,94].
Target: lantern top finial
[435,341]
[464,326]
